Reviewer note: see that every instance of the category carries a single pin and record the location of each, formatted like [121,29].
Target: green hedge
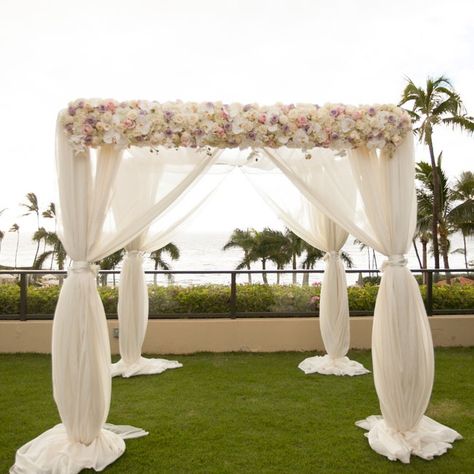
[215,298]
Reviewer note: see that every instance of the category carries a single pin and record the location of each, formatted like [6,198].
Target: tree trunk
[264,275]
[16,251]
[436,193]
[36,253]
[306,278]
[39,241]
[154,274]
[424,247]
[294,268]
[249,275]
[374,259]
[465,250]
[417,253]
[278,275]
[444,248]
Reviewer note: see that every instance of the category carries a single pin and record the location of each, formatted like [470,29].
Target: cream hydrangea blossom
[92,123]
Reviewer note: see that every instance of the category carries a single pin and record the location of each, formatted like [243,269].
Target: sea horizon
[202,251]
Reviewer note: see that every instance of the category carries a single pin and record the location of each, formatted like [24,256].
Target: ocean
[202,251]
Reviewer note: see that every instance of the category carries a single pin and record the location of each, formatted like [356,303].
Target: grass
[244,413]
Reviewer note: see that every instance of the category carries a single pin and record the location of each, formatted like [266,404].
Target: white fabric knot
[396,260]
[80,266]
[332,254]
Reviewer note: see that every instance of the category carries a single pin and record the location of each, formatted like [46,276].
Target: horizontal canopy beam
[93,123]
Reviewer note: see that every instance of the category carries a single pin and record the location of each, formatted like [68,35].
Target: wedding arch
[123,169]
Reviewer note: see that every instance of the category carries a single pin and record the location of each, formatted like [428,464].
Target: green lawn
[244,413]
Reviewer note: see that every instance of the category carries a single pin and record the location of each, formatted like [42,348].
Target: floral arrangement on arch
[92,123]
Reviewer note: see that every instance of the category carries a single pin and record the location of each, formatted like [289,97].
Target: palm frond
[464,122]
[38,263]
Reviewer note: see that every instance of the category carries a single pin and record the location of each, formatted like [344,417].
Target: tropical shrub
[256,298]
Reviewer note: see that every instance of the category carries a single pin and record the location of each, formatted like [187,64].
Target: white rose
[132,115]
[347,124]
[234,109]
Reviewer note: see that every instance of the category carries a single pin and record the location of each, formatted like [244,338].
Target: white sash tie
[332,254]
[81,266]
[396,260]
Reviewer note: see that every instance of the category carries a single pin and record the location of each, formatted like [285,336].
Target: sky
[355,52]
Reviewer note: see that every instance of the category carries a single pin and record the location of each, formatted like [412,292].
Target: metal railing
[23,282]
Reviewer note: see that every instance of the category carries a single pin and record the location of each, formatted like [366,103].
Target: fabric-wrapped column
[133,321]
[314,227]
[80,348]
[334,324]
[168,183]
[403,364]
[402,347]
[372,195]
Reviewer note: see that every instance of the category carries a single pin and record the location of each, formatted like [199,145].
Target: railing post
[23,296]
[233,295]
[429,293]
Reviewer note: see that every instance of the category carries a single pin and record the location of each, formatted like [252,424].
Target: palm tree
[16,228]
[425,195]
[313,255]
[40,236]
[423,226]
[50,213]
[462,215]
[33,208]
[42,257]
[243,239]
[267,245]
[280,251]
[371,261]
[437,104]
[295,246]
[109,263]
[172,250]
[58,252]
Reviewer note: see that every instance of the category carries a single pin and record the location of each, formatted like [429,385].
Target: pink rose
[262,118]
[128,123]
[88,129]
[220,131]
[110,106]
[302,121]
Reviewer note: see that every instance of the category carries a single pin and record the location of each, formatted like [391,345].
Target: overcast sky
[355,52]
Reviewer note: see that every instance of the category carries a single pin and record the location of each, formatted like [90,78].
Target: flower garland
[92,123]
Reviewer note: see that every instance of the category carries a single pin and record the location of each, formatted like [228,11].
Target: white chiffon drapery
[383,216]
[310,224]
[153,174]
[80,346]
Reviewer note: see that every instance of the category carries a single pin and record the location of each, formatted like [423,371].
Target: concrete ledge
[185,336]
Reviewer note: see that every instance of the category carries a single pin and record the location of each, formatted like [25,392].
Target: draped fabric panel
[151,177]
[383,216]
[80,347]
[306,221]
